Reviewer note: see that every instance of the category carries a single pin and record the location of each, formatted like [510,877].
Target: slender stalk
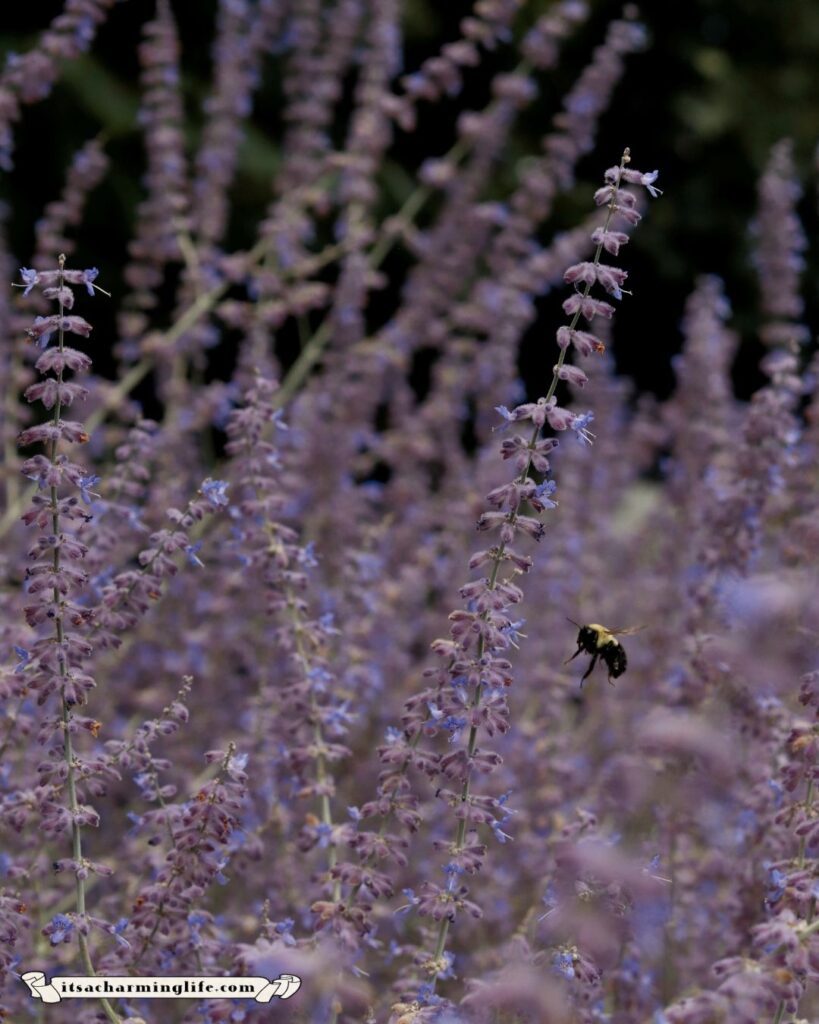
[803,842]
[322,773]
[443,928]
[68,749]
[11,480]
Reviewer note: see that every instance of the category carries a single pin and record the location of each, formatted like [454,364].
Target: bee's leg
[578,651]
[589,670]
[611,681]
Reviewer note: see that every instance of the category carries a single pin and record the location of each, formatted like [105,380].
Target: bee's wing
[627,631]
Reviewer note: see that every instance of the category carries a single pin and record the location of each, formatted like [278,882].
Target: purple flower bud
[572,374]
[559,419]
[610,240]
[587,306]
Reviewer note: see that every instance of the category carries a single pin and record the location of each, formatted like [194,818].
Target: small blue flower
[563,963]
[59,929]
[579,426]
[426,995]
[191,551]
[41,340]
[549,900]
[544,491]
[88,277]
[85,484]
[392,951]
[776,885]
[135,819]
[778,792]
[454,725]
[117,930]
[24,657]
[146,783]
[284,929]
[648,180]
[325,834]
[355,814]
[504,412]
[166,960]
[31,277]
[215,492]
[512,631]
[340,716]
[498,832]
[320,677]
[413,901]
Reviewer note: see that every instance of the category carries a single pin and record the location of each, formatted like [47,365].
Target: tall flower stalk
[470,696]
[54,665]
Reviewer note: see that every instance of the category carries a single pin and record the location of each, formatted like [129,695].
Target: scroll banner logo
[262,990]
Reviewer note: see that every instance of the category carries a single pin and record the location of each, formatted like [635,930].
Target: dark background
[720,82]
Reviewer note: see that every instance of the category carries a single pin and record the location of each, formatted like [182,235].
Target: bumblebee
[600,642]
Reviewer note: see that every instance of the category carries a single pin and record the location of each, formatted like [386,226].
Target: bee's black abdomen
[614,656]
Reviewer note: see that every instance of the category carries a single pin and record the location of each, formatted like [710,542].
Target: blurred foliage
[719,84]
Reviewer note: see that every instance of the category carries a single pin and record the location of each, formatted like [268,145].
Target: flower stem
[443,928]
[68,749]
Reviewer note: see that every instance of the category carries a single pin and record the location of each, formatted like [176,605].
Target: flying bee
[600,642]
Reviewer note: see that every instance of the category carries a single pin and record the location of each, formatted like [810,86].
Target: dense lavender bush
[243,730]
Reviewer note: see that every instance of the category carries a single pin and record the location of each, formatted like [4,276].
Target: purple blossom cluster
[266,706]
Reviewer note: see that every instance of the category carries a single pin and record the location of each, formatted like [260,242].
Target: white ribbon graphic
[39,987]
[284,986]
[227,987]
